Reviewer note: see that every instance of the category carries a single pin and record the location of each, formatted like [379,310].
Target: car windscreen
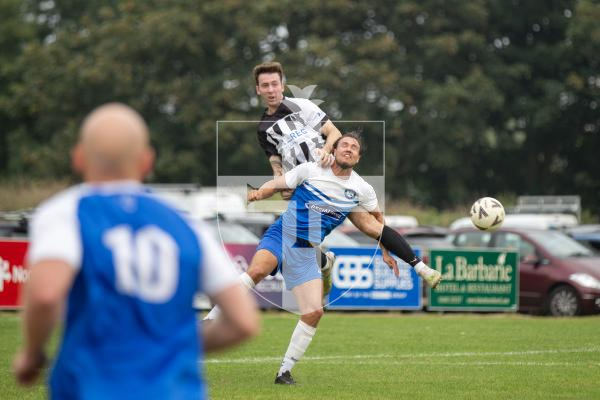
[560,245]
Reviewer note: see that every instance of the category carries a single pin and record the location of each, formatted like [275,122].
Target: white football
[487,213]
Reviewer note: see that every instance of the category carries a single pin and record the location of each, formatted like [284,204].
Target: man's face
[270,89]
[347,152]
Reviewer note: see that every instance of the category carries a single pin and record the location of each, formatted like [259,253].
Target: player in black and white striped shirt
[296,132]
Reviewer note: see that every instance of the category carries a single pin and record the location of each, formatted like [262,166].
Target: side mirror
[530,259]
[543,261]
[535,260]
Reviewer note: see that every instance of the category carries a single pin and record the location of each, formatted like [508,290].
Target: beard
[344,164]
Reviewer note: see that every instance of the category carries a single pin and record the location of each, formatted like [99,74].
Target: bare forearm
[379,217]
[332,134]
[268,189]
[39,321]
[219,334]
[239,319]
[265,191]
[276,165]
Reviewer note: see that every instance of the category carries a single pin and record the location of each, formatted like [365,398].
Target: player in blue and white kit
[126,266]
[322,200]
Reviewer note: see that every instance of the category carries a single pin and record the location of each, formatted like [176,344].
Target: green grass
[10,324]
[401,355]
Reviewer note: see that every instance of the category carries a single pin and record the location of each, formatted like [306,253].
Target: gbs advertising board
[362,281]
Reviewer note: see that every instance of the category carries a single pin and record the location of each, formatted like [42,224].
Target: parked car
[557,275]
[200,202]
[258,223]
[351,231]
[427,237]
[424,236]
[14,223]
[231,232]
[337,238]
[588,235]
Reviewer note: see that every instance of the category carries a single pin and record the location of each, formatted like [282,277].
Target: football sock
[216,311]
[323,258]
[244,277]
[301,338]
[394,242]
[420,267]
[213,314]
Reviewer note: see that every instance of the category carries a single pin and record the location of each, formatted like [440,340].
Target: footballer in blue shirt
[124,267]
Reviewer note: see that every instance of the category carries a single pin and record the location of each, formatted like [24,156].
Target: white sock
[421,267]
[244,277]
[216,311]
[301,338]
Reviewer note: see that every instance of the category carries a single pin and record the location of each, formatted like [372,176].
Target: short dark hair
[356,135]
[269,67]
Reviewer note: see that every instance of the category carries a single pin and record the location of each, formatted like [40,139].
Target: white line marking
[473,363]
[261,360]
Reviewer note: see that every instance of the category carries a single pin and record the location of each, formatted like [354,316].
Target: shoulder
[304,105]
[361,184]
[299,102]
[312,168]
[60,204]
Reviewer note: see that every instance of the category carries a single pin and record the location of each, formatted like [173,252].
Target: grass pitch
[398,356]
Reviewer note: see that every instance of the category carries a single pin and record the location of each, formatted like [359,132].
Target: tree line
[484,97]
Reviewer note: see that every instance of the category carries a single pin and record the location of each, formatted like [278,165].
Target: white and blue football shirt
[130,329]
[323,200]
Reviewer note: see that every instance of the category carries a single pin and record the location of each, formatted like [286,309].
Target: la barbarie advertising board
[12,272]
[475,280]
[362,281]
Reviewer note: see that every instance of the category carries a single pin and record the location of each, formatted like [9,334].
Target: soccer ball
[487,213]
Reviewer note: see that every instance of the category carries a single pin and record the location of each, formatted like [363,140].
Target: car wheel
[564,301]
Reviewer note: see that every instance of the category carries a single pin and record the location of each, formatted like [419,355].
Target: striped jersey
[292,131]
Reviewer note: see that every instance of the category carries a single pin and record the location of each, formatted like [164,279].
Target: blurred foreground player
[126,267]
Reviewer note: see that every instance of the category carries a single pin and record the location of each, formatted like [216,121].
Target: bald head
[113,144]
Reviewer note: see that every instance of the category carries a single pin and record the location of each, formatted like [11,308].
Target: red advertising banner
[268,291]
[12,272]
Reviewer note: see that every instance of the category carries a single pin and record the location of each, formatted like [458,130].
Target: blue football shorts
[296,258]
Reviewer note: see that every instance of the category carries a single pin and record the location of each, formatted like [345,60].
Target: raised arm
[331,133]
[277,167]
[268,189]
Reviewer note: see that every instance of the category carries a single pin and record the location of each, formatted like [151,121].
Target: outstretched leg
[308,295]
[262,264]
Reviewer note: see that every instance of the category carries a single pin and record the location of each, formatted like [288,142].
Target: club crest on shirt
[350,194]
